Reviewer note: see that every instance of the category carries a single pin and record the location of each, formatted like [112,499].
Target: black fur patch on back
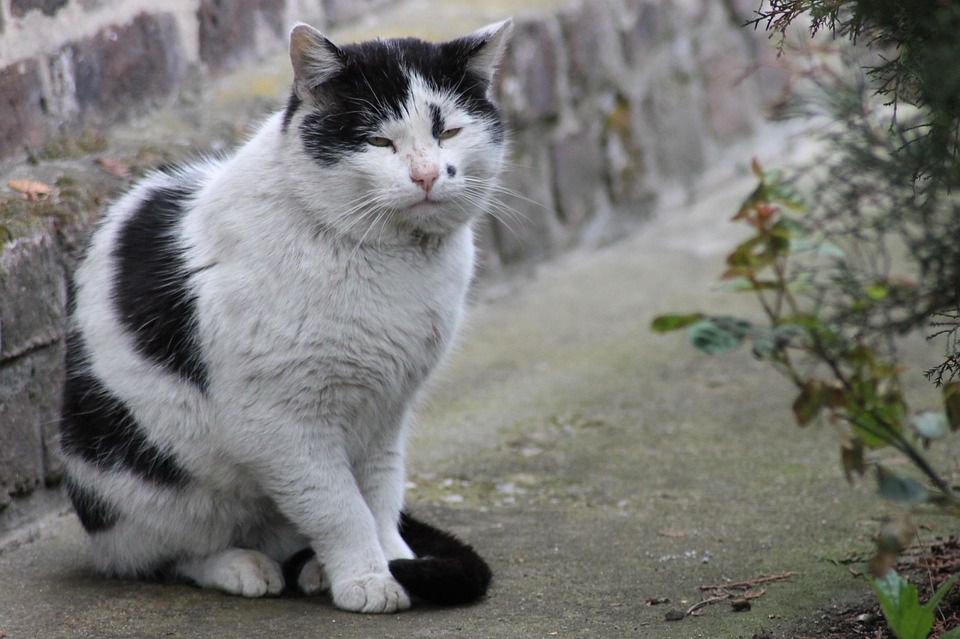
[99,428]
[447,572]
[375,84]
[150,286]
[95,514]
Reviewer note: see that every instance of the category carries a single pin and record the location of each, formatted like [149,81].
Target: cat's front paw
[313,578]
[371,593]
[239,572]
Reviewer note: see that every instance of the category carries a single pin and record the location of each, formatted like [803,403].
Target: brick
[23,106]
[20,8]
[532,91]
[230,29]
[123,68]
[32,296]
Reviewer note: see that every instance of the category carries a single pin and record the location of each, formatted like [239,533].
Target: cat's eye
[449,133]
[379,142]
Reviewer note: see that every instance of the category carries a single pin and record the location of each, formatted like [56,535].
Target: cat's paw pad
[371,593]
[313,578]
[247,573]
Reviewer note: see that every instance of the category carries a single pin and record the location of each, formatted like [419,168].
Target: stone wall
[66,64]
[609,103]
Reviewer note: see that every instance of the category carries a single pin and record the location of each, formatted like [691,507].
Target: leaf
[851,455]
[33,191]
[715,336]
[809,402]
[820,249]
[951,404]
[113,167]
[667,323]
[901,607]
[869,430]
[942,591]
[895,487]
[931,424]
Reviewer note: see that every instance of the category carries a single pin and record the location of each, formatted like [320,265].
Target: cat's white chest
[321,321]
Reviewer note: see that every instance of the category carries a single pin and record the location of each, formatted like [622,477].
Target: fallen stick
[749,583]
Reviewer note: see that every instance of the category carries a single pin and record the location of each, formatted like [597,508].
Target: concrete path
[595,465]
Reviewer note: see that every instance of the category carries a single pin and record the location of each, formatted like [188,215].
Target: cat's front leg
[381,478]
[323,500]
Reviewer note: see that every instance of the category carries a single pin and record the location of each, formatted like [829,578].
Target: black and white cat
[248,335]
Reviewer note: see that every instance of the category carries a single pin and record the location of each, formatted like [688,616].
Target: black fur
[151,292]
[437,124]
[95,514]
[99,428]
[374,85]
[446,572]
[293,566]
[293,104]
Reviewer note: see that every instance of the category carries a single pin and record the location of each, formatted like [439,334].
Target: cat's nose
[425,176]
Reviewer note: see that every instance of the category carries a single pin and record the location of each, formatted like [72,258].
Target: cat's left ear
[487,48]
[315,59]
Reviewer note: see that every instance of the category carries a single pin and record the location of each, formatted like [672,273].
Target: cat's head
[399,136]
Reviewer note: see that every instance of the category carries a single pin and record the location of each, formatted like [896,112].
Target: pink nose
[425,176]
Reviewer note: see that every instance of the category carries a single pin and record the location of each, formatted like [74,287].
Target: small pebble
[675,615]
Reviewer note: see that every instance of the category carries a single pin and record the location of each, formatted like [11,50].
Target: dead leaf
[656,601]
[32,191]
[113,167]
[741,605]
[673,534]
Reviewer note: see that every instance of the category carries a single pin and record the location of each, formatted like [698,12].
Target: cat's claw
[371,593]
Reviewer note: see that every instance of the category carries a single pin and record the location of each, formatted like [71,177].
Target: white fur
[326,296]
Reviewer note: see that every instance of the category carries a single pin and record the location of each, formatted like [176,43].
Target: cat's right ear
[315,60]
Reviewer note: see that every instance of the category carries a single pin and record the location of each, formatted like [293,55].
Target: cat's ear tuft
[489,45]
[315,59]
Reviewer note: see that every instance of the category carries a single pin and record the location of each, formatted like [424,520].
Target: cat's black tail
[446,572]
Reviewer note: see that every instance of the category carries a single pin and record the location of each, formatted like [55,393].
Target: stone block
[340,11]
[672,115]
[579,181]
[25,404]
[525,225]
[32,296]
[22,105]
[732,103]
[230,31]
[531,87]
[626,154]
[121,69]
[593,48]
[643,28]
[20,8]
[488,257]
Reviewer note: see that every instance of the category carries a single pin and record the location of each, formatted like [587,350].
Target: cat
[247,335]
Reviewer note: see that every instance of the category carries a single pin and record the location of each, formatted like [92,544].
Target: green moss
[67,146]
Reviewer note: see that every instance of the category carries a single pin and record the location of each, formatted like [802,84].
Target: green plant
[818,313]
[900,603]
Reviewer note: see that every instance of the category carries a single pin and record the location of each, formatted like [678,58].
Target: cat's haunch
[248,334]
